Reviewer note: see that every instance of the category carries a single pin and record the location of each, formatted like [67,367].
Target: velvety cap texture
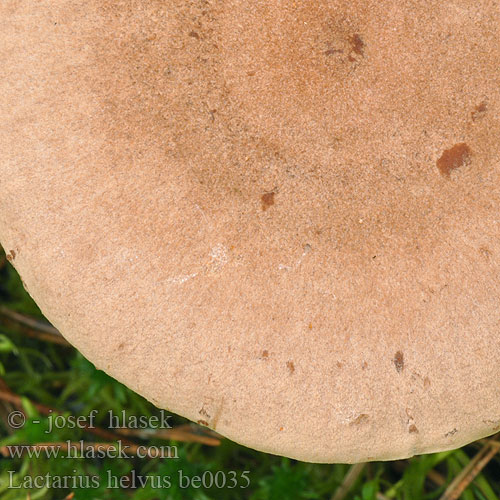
[280,219]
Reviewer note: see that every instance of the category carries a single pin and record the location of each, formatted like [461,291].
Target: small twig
[34,328]
[45,337]
[493,439]
[436,477]
[469,473]
[16,400]
[350,478]
[176,434]
[30,322]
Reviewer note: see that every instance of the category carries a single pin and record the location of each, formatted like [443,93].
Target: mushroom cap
[278,219]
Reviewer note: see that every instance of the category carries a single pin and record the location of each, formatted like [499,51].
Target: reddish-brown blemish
[360,419]
[479,111]
[265,354]
[454,158]
[413,429]
[330,52]
[427,382]
[495,423]
[310,326]
[202,422]
[11,256]
[357,44]
[290,366]
[193,34]
[267,200]
[399,361]
[364,365]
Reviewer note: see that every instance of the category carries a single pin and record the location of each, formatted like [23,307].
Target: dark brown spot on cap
[204,412]
[399,361]
[290,366]
[454,158]
[479,111]
[357,44]
[265,354]
[202,422]
[193,34]
[330,52]
[360,419]
[267,200]
[413,429]
[11,256]
[495,423]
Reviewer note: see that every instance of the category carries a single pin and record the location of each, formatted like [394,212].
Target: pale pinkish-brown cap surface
[279,219]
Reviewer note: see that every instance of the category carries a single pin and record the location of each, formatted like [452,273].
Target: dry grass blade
[45,337]
[350,478]
[39,329]
[16,400]
[469,473]
[436,477]
[181,433]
